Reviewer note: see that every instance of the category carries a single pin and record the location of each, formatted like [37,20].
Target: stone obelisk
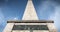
[30,18]
[30,13]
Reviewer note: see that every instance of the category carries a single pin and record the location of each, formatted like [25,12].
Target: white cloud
[56,17]
[15,18]
[1,17]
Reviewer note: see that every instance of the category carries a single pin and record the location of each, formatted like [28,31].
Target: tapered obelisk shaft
[30,13]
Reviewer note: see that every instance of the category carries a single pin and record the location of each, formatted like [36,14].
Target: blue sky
[14,9]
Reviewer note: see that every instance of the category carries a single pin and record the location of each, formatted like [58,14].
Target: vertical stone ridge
[30,13]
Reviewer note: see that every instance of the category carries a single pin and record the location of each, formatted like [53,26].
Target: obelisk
[30,13]
[30,18]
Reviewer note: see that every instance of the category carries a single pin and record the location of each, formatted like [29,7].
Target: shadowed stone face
[30,27]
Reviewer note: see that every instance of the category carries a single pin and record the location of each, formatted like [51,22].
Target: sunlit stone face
[30,31]
[20,31]
[30,28]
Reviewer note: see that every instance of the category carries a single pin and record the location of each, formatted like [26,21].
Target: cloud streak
[2,23]
[56,17]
